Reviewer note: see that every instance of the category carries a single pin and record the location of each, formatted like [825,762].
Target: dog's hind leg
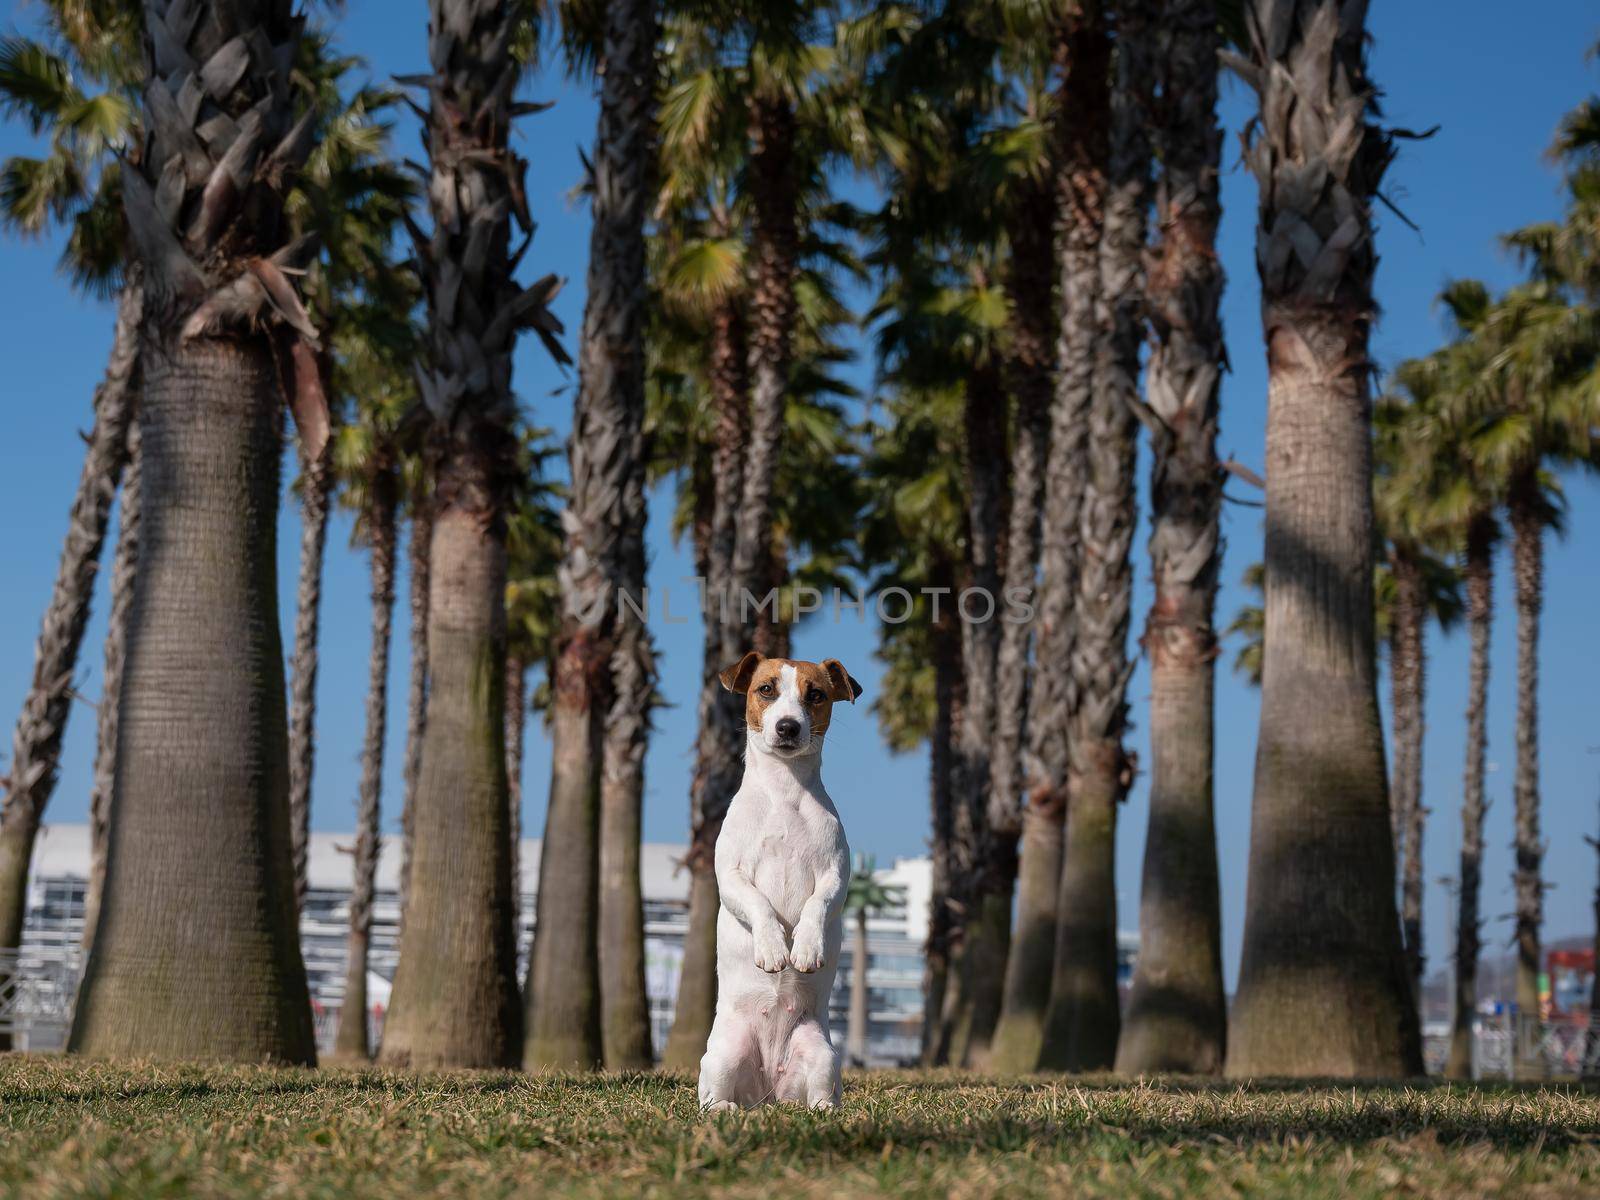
[810,1070]
[730,1069]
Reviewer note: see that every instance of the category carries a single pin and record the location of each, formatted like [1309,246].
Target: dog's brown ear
[737,677]
[840,685]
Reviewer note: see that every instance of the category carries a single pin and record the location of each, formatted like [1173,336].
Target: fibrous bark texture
[983,859]
[418,551]
[1527,571]
[455,999]
[1177,1014]
[124,567]
[196,954]
[625,147]
[941,801]
[605,671]
[1406,668]
[1082,147]
[351,1042]
[1478,571]
[197,951]
[36,744]
[316,491]
[719,744]
[1083,1022]
[1322,987]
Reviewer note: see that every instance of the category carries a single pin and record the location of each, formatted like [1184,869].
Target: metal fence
[325,1020]
[1501,1040]
[37,992]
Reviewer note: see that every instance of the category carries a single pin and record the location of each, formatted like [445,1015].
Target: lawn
[74,1129]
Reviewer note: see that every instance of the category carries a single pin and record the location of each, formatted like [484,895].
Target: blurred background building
[42,982]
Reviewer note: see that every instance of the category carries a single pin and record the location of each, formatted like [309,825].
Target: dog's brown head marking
[815,687]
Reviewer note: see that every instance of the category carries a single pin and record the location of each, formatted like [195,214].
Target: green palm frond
[866,893]
[705,272]
[36,192]
[36,84]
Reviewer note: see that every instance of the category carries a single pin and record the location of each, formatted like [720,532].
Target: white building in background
[49,958]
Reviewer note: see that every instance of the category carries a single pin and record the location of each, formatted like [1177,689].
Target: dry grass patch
[70,1128]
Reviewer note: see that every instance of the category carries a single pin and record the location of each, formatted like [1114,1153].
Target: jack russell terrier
[782,869]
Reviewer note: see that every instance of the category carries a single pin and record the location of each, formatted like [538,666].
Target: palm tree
[740,107]
[1481,533]
[1083,1021]
[350,199]
[865,899]
[913,529]
[76,182]
[418,585]
[1469,505]
[589,900]
[1535,404]
[195,953]
[533,611]
[1322,986]
[315,486]
[1177,1012]
[124,566]
[1035,818]
[708,279]
[1081,145]
[1250,624]
[455,1000]
[365,457]
[1417,586]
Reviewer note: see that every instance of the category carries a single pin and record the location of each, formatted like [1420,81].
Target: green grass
[85,1129]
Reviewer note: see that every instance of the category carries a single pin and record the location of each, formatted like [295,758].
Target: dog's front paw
[771,954]
[806,953]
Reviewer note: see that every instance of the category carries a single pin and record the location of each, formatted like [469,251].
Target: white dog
[782,869]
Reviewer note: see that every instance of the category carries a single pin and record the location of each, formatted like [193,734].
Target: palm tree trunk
[1083,52]
[516,737]
[1398,745]
[624,172]
[316,491]
[1479,572]
[605,670]
[1177,1013]
[1084,1018]
[775,250]
[1590,1069]
[1031,963]
[455,1000]
[417,692]
[455,997]
[1527,570]
[719,745]
[1322,988]
[351,1043]
[1407,666]
[124,567]
[856,1036]
[196,953]
[986,858]
[937,964]
[36,745]
[1025,989]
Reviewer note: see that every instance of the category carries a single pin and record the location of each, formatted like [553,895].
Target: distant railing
[1501,1040]
[37,994]
[325,1020]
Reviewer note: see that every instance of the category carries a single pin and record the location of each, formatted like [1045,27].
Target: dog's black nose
[788,728]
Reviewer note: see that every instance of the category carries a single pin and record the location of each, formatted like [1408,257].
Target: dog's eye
[815,696]
[766,689]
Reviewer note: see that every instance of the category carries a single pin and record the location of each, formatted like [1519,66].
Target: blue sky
[1496,87]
